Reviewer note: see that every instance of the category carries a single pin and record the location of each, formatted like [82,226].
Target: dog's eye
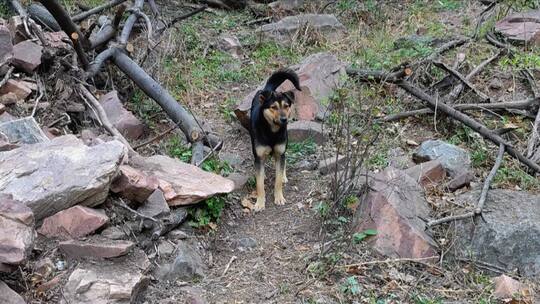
[274,107]
[286,106]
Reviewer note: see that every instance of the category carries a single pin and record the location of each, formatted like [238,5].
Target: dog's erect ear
[289,95]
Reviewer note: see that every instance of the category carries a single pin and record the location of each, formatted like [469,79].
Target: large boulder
[181,183]
[105,283]
[52,176]
[73,223]
[16,231]
[509,234]
[319,75]
[520,27]
[286,29]
[395,208]
[453,158]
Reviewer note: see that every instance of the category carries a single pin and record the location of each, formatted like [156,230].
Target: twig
[390,261]
[488,180]
[217,147]
[233,258]
[463,79]
[156,138]
[102,116]
[123,205]
[450,219]
[41,94]
[183,17]
[7,76]
[457,90]
[95,10]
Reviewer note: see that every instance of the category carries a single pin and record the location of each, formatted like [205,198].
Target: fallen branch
[80,17]
[514,105]
[488,180]
[463,80]
[448,110]
[391,261]
[67,25]
[457,90]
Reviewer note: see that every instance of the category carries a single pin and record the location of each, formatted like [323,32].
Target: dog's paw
[259,205]
[279,199]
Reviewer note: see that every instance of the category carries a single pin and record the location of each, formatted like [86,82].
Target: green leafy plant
[322,208]
[299,150]
[361,236]
[208,213]
[350,286]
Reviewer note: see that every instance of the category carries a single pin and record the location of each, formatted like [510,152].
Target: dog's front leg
[259,175]
[279,199]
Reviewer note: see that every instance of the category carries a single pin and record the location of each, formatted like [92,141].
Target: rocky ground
[91,216]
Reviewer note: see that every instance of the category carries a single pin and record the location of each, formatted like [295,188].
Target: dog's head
[276,107]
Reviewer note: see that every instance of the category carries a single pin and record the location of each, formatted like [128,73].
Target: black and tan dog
[270,112]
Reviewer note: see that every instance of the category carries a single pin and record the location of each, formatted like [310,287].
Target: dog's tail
[279,77]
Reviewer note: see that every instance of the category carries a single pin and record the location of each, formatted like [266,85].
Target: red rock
[319,75]
[16,230]
[183,184]
[8,296]
[57,39]
[6,44]
[19,88]
[98,248]
[395,208]
[428,173]
[27,56]
[520,27]
[75,222]
[303,130]
[122,119]
[156,205]
[9,98]
[134,184]
[461,180]
[506,287]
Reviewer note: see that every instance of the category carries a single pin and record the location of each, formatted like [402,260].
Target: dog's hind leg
[279,199]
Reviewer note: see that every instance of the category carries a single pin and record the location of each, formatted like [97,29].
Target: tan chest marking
[263,151]
[279,149]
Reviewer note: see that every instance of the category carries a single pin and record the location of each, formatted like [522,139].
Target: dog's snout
[283,120]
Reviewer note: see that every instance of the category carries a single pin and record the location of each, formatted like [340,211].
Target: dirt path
[269,249]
